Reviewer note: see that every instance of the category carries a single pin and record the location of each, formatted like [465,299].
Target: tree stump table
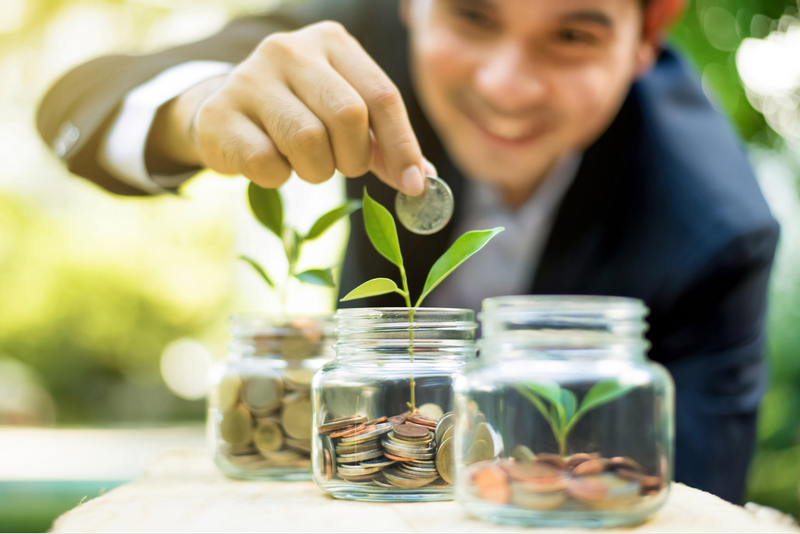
[183,491]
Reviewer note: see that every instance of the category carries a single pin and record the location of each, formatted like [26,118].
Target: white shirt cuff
[121,152]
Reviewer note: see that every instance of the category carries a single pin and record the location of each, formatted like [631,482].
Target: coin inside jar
[429,212]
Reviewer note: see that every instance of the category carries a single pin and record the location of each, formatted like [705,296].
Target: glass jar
[382,407]
[562,421]
[260,396]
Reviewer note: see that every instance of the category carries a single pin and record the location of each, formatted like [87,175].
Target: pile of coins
[406,451]
[549,482]
[266,419]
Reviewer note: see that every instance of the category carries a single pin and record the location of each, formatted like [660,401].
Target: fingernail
[430,170]
[412,182]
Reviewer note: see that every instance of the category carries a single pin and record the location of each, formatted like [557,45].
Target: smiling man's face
[513,85]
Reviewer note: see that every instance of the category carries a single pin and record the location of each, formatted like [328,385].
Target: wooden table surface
[183,492]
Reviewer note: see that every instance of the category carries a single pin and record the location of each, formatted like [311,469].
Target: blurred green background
[101,298]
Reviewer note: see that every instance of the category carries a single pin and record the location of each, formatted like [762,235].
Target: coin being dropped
[429,212]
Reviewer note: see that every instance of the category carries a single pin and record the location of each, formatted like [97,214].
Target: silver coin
[429,212]
[360,438]
[444,423]
[359,456]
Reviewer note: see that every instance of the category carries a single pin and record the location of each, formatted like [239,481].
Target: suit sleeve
[713,339]
[80,106]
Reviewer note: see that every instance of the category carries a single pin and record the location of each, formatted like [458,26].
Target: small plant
[564,411]
[267,207]
[382,232]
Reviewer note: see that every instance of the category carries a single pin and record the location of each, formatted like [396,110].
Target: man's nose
[509,79]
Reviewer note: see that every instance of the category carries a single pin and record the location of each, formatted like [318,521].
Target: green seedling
[564,411]
[382,232]
[267,208]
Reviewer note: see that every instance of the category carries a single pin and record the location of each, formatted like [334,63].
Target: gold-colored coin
[445,462]
[296,417]
[478,452]
[297,347]
[429,212]
[262,394]
[268,436]
[521,453]
[431,410]
[236,427]
[226,394]
[300,376]
[448,433]
[445,423]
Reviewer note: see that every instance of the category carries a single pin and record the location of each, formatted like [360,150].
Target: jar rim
[619,307]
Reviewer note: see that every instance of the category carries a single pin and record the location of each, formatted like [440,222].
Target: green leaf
[317,277]
[291,244]
[374,287]
[570,403]
[601,393]
[332,217]
[267,207]
[259,269]
[550,391]
[536,401]
[464,247]
[381,230]
[557,417]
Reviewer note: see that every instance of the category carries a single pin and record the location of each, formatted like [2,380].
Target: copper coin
[587,489]
[552,459]
[359,430]
[589,468]
[408,430]
[422,419]
[397,419]
[579,458]
[376,421]
[340,423]
[492,483]
[620,462]
[531,470]
[398,458]
[348,431]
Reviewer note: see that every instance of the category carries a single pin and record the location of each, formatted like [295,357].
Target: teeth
[507,131]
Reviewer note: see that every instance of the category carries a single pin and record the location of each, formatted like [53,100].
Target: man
[563,121]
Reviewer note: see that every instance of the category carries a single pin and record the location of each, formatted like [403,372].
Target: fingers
[387,115]
[297,132]
[234,145]
[344,113]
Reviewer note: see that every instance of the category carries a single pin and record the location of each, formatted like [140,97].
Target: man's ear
[659,16]
[405,7]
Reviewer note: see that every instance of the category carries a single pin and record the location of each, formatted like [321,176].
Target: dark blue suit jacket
[665,208]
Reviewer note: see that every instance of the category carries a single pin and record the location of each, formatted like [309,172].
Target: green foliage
[372,288]
[382,233]
[464,247]
[267,207]
[317,277]
[564,411]
[381,230]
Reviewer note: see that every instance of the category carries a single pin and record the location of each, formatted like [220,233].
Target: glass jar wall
[562,421]
[260,400]
[382,418]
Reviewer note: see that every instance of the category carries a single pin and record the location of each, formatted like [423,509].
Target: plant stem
[413,404]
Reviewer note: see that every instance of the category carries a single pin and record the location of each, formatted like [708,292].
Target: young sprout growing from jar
[565,411]
[267,208]
[382,232]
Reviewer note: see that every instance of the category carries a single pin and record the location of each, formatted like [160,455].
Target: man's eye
[474,17]
[571,36]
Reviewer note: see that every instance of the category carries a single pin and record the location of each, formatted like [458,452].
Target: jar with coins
[563,421]
[382,409]
[260,396]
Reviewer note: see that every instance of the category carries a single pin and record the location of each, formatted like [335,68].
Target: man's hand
[311,101]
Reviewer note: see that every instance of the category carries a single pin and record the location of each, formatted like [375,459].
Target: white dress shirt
[506,266]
